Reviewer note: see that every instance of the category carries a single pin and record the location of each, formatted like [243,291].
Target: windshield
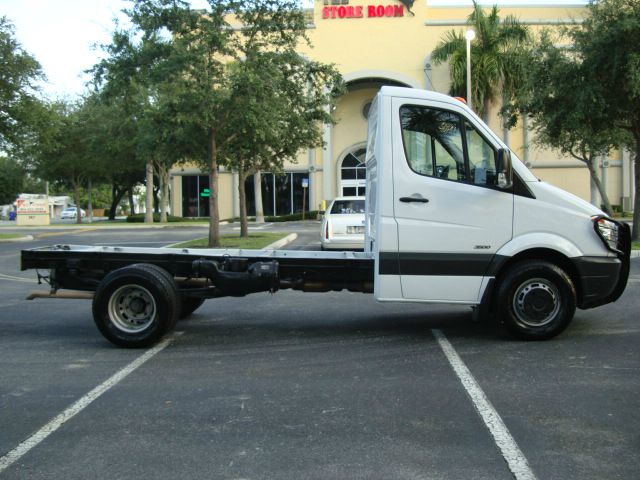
[347,206]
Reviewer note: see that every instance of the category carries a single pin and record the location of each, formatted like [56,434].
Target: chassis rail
[79,267]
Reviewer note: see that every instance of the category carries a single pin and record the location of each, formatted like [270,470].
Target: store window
[281,194]
[353,174]
[195,196]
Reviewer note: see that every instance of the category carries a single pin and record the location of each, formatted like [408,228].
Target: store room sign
[340,9]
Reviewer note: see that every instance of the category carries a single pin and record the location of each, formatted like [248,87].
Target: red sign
[360,11]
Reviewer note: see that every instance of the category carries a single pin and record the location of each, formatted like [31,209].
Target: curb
[17,239]
[282,242]
[635,253]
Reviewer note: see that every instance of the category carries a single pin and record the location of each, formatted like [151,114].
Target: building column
[176,195]
[311,155]
[327,164]
[525,140]
[627,181]
[235,182]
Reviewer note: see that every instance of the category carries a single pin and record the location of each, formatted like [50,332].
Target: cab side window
[440,144]
[482,157]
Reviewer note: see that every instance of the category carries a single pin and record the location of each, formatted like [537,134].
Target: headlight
[607,230]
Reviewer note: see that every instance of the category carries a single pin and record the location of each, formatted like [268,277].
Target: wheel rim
[132,308]
[536,302]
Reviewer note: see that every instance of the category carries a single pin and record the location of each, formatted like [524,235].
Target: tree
[63,154]
[11,180]
[561,102]
[205,87]
[18,75]
[125,80]
[110,136]
[282,100]
[606,44]
[496,66]
[182,66]
[586,99]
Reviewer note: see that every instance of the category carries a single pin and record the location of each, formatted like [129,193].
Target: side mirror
[504,171]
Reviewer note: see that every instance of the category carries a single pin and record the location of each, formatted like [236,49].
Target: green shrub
[311,215]
[139,218]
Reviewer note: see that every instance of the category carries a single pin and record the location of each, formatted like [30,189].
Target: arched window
[353,174]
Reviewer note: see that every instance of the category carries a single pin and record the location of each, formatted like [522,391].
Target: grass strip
[9,236]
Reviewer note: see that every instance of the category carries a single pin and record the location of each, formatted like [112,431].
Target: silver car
[71,213]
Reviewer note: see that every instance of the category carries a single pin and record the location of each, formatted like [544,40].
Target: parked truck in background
[452,216]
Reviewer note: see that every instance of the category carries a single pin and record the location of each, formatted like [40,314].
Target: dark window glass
[203,195]
[433,142]
[189,196]
[298,192]
[436,145]
[267,195]
[283,194]
[283,190]
[347,206]
[195,196]
[482,157]
[348,173]
[353,173]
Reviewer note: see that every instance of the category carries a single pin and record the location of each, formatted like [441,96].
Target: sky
[63,34]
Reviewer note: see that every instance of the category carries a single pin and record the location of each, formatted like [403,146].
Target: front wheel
[135,306]
[536,300]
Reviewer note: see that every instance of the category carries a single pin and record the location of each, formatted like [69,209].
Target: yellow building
[388,42]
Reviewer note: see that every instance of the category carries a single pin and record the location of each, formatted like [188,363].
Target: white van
[453,216]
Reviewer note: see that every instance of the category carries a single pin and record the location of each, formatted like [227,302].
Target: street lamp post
[469,35]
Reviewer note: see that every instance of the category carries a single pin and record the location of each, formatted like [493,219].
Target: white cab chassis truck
[452,217]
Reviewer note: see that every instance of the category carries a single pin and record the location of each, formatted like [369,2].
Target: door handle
[416,197]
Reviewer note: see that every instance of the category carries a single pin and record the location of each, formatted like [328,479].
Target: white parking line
[80,405]
[14,278]
[504,441]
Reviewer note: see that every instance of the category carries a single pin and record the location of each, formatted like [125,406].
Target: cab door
[451,217]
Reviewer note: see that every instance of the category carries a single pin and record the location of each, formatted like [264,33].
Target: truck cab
[453,216]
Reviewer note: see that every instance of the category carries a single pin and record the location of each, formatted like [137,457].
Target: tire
[536,300]
[135,306]
[169,277]
[189,305]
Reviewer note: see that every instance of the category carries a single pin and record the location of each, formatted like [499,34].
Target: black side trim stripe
[440,264]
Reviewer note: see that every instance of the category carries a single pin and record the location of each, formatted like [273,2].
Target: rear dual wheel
[136,305]
[536,300]
[187,304]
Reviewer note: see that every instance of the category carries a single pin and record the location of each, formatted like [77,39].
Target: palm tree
[496,66]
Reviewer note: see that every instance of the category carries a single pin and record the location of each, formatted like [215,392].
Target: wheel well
[547,254]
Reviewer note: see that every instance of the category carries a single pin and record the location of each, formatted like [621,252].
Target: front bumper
[603,279]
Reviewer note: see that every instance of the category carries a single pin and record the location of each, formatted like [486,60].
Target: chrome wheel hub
[536,302]
[132,308]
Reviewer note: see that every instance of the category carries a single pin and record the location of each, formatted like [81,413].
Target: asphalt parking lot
[312,386]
